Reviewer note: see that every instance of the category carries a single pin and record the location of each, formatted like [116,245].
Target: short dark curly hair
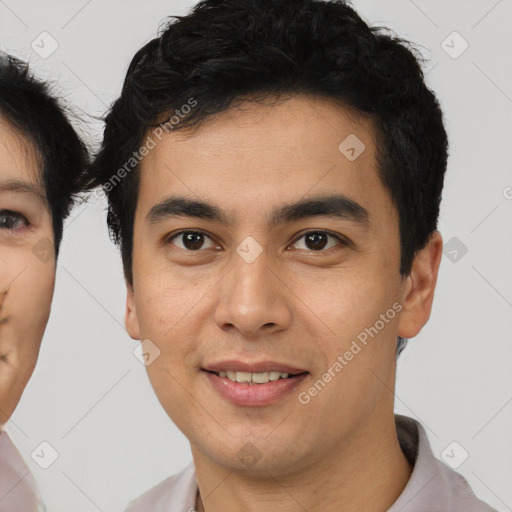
[29,106]
[226,50]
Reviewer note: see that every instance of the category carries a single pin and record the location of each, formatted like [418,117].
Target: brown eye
[191,240]
[318,240]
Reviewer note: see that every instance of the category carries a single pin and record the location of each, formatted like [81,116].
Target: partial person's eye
[317,241]
[12,221]
[192,240]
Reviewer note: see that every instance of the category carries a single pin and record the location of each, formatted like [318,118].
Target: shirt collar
[433,486]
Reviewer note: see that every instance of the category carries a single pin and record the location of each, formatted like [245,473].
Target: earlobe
[131,320]
[419,288]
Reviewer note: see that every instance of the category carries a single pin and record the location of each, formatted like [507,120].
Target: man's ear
[419,288]
[131,321]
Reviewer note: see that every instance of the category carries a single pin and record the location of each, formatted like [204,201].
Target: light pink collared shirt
[432,487]
[18,489]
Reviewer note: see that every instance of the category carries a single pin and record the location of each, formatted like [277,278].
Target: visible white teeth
[253,378]
[260,378]
[243,377]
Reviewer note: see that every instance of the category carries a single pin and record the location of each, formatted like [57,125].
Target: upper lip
[260,367]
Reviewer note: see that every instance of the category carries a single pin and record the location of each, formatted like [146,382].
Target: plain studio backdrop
[90,398]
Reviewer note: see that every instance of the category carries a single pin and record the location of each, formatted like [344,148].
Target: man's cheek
[154,314]
[161,307]
[168,381]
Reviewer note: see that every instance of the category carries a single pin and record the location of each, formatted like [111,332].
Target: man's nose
[253,298]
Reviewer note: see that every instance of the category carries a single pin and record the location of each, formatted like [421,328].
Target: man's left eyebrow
[336,206]
[23,187]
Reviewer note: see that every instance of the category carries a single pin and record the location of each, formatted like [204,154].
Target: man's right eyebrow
[22,187]
[184,207]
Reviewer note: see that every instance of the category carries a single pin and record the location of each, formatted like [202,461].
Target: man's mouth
[254,384]
[254,378]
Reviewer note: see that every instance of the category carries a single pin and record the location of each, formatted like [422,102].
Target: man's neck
[369,475]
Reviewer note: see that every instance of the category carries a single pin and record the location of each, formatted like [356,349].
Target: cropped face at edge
[27,266]
[310,293]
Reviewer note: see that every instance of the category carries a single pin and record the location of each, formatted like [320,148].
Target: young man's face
[27,266]
[255,293]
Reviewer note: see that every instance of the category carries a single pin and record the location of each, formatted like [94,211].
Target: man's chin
[254,458]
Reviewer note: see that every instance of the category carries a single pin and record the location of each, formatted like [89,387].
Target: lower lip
[254,395]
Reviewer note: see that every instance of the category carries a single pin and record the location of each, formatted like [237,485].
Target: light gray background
[90,397]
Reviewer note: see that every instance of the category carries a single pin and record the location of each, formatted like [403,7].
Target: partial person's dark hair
[27,104]
[230,50]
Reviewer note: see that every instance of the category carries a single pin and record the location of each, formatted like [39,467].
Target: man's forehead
[228,165]
[303,112]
